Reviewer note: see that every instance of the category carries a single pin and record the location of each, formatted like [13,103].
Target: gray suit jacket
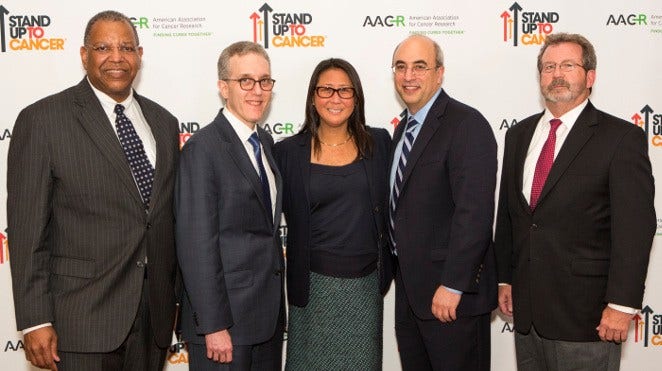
[228,244]
[78,227]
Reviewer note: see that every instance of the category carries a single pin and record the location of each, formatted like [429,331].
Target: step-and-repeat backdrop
[490,51]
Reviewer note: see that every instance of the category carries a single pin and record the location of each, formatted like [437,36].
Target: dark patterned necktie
[266,192]
[397,184]
[544,164]
[142,169]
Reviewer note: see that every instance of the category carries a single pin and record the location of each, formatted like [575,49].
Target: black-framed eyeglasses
[563,66]
[327,92]
[416,70]
[247,83]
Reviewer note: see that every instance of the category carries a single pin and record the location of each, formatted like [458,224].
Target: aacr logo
[384,21]
[627,20]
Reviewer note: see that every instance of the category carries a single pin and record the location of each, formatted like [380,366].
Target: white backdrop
[490,56]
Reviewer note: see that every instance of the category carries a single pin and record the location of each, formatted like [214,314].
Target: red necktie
[544,163]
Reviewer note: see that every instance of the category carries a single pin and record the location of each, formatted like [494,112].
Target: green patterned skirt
[340,328]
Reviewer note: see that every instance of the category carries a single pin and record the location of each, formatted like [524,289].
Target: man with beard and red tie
[575,220]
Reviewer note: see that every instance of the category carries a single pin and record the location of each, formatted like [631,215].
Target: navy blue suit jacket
[444,215]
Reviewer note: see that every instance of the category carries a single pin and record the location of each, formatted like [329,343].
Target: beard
[565,95]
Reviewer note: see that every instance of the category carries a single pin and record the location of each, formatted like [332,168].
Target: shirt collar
[109,103]
[423,112]
[569,118]
[242,130]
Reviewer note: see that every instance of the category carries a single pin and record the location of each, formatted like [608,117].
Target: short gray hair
[239,48]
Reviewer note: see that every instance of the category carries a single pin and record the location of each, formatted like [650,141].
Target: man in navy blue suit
[442,208]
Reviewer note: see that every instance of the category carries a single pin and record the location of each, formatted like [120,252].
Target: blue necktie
[143,172]
[397,184]
[266,192]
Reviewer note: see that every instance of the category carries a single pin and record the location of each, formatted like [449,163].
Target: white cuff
[30,329]
[622,308]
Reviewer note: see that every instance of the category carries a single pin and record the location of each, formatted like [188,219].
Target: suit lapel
[266,146]
[94,121]
[164,150]
[581,132]
[239,155]
[369,167]
[433,121]
[304,163]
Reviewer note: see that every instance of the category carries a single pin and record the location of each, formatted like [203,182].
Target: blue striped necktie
[397,184]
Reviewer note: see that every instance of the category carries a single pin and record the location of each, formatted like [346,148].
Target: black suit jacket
[444,215]
[78,227]
[588,241]
[293,158]
[228,243]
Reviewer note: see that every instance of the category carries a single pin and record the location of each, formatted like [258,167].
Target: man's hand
[614,325]
[41,347]
[219,346]
[444,304]
[506,299]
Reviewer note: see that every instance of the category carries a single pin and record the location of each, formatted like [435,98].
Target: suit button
[140,264]
[381,236]
[534,226]
[278,272]
[148,225]
[376,209]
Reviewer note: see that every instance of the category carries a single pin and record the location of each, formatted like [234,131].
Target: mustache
[558,82]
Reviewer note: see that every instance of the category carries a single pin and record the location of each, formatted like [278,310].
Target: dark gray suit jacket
[78,227]
[588,241]
[228,244]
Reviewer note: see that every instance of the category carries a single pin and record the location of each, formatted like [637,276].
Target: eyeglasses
[247,83]
[417,70]
[563,66]
[327,92]
[107,49]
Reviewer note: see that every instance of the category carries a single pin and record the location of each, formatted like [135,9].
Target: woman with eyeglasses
[335,201]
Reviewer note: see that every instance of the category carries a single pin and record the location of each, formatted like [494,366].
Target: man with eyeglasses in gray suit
[228,207]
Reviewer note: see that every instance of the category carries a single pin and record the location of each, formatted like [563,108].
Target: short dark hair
[112,16]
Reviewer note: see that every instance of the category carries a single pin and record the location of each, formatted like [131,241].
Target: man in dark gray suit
[228,206]
[90,192]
